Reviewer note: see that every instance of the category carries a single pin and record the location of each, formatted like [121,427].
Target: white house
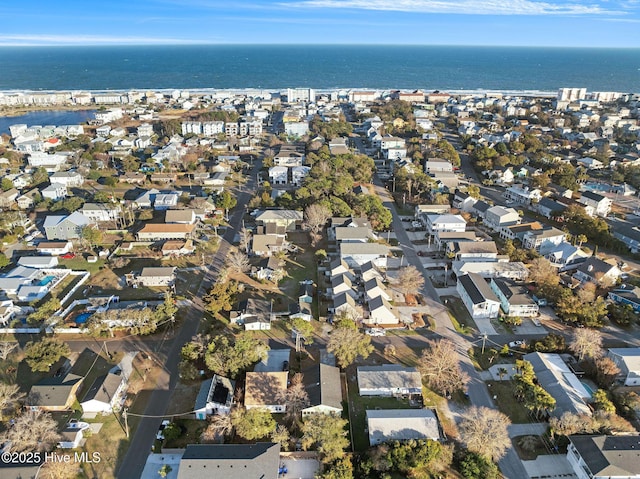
[100,212]
[67,178]
[385,425]
[544,240]
[498,217]
[628,361]
[298,174]
[323,386]
[54,192]
[445,223]
[215,397]
[522,194]
[264,390]
[604,457]
[105,394]
[54,248]
[70,438]
[380,312]
[278,175]
[389,380]
[596,271]
[514,299]
[357,254]
[477,296]
[595,204]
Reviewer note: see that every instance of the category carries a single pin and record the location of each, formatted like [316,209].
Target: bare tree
[245,239]
[59,469]
[390,350]
[478,424]
[281,435]
[606,371]
[541,271]
[238,262]
[10,395]
[295,397]
[440,367]
[586,343]
[6,348]
[410,280]
[219,425]
[32,431]
[315,217]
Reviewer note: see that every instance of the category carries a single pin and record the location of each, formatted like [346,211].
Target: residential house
[629,235]
[596,271]
[156,276]
[166,178]
[298,174]
[369,270]
[463,201]
[477,296]
[133,178]
[305,292]
[177,248]
[215,397]
[501,176]
[27,200]
[165,201]
[387,425]
[70,438]
[67,178]
[480,208]
[590,163]
[344,304]
[595,204]
[516,271]
[390,380]
[269,268]
[437,165]
[187,217]
[54,248]
[549,208]
[54,192]
[54,393]
[498,217]
[544,240]
[267,244]
[523,194]
[264,390]
[443,238]
[105,394]
[558,380]
[604,457]
[342,284]
[100,212]
[38,262]
[278,175]
[626,294]
[158,231]
[254,314]
[442,223]
[565,256]
[628,361]
[61,227]
[323,385]
[348,234]
[474,250]
[290,219]
[300,310]
[373,287]
[357,254]
[517,232]
[231,461]
[381,312]
[340,266]
[514,299]
[8,198]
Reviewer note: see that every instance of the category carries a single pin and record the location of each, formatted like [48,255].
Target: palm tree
[502,372]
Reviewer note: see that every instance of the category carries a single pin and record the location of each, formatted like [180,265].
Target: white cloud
[472,7]
[59,40]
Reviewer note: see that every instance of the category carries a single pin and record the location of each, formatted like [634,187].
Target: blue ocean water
[318,66]
[56,117]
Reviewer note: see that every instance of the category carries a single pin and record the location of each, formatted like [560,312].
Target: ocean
[318,66]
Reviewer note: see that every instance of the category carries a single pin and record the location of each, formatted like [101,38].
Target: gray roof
[53,391]
[557,379]
[609,456]
[274,215]
[363,248]
[351,232]
[154,271]
[402,425]
[104,388]
[322,383]
[471,247]
[629,356]
[230,461]
[515,293]
[340,279]
[551,205]
[592,196]
[389,376]
[477,288]
[592,266]
[218,390]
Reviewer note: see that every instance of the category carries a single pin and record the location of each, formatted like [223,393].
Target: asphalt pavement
[142,441]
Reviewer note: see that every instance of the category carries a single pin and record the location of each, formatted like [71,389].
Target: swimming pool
[46,280]
[587,387]
[599,187]
[82,317]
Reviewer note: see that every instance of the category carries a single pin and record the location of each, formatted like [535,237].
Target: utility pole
[484,340]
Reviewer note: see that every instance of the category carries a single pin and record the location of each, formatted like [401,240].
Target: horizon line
[230,44]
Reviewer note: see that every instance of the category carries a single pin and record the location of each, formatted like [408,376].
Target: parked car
[516,344]
[68,256]
[375,332]
[160,434]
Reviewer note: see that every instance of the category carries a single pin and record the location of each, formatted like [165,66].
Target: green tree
[229,356]
[254,423]
[6,184]
[44,311]
[41,355]
[476,466]
[347,344]
[341,468]
[165,470]
[220,297]
[302,328]
[327,434]
[91,234]
[601,402]
[4,261]
[226,201]
[110,181]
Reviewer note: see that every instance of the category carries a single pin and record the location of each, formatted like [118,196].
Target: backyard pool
[597,187]
[46,280]
[82,317]
[588,388]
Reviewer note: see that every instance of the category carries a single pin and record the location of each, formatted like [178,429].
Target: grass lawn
[503,390]
[80,264]
[491,357]
[530,448]
[190,433]
[462,322]
[111,442]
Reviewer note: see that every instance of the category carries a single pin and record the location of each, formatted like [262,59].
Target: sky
[560,23]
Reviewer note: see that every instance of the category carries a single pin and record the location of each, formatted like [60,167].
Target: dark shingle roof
[477,288]
[322,383]
[231,461]
[609,455]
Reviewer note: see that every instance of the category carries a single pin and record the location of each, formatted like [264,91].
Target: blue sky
[593,23]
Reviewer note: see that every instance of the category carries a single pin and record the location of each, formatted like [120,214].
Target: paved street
[134,462]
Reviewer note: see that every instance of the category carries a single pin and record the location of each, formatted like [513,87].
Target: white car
[516,344]
[160,434]
[375,332]
[75,424]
